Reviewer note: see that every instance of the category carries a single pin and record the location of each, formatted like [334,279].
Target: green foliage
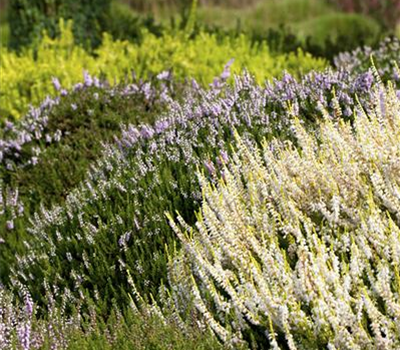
[4,34]
[85,119]
[125,24]
[350,28]
[27,76]
[29,18]
[275,13]
[141,327]
[142,332]
[386,12]
[286,25]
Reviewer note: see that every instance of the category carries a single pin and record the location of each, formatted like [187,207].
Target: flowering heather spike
[210,167]
[87,79]
[165,75]
[227,70]
[56,83]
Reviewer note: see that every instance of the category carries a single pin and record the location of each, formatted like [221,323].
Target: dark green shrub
[124,24]
[29,18]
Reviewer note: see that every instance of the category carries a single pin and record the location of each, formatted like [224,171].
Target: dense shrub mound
[385,57]
[26,76]
[47,152]
[298,247]
[114,220]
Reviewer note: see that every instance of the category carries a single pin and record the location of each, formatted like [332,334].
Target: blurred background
[322,27]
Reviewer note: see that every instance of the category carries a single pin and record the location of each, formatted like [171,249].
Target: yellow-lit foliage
[26,77]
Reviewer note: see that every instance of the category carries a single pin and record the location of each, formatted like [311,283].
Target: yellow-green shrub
[26,77]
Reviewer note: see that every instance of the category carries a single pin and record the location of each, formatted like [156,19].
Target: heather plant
[297,246]
[26,76]
[136,327]
[79,120]
[114,220]
[48,152]
[385,57]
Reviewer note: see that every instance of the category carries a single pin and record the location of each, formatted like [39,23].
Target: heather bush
[297,246]
[26,76]
[114,220]
[385,56]
[48,152]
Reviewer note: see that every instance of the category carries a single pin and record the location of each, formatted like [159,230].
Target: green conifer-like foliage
[29,18]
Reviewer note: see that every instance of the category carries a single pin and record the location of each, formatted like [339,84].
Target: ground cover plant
[246,330]
[141,175]
[197,187]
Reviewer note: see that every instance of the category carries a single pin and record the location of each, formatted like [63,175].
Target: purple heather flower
[163,75]
[9,126]
[20,208]
[10,225]
[224,156]
[96,82]
[78,86]
[28,305]
[87,78]
[161,125]
[146,132]
[226,73]
[24,335]
[56,83]
[210,167]
[195,85]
